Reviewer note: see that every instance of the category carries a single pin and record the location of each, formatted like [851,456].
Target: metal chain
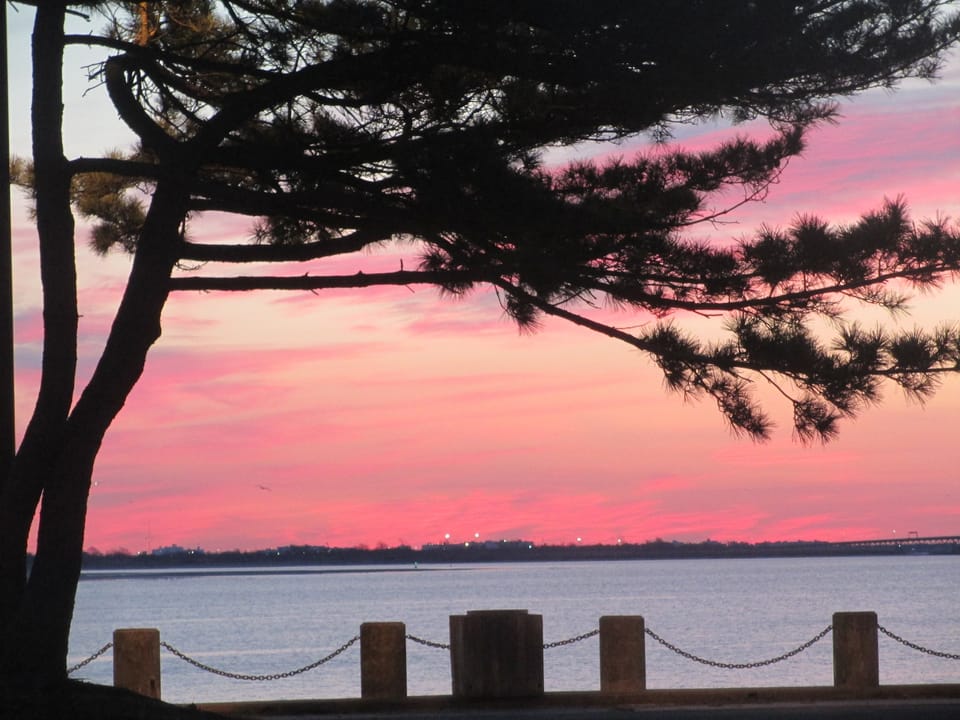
[428,643]
[570,641]
[90,659]
[740,666]
[546,646]
[274,676]
[914,646]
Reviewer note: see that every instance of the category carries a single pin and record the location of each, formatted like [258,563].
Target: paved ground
[901,703]
[853,710]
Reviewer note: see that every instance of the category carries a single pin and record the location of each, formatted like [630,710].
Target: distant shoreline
[237,571]
[310,559]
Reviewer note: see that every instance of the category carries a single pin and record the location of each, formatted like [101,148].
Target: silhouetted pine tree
[337,125]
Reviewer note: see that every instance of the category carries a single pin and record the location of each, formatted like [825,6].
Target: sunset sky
[393,415]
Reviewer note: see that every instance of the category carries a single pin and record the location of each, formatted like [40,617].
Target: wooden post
[136,660]
[623,664]
[383,660]
[496,654]
[856,663]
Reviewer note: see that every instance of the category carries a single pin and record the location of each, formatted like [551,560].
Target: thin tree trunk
[43,622]
[21,488]
[56,459]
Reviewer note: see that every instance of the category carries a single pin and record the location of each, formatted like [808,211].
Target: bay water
[274,620]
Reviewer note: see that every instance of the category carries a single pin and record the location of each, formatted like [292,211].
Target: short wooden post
[856,658]
[496,654]
[623,663]
[383,660]
[136,660]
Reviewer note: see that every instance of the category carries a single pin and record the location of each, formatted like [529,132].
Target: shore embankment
[891,702]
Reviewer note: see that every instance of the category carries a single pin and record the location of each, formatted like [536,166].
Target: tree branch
[326,282]
[354,242]
[118,166]
[130,111]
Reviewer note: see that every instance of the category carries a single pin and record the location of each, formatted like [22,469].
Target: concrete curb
[448,705]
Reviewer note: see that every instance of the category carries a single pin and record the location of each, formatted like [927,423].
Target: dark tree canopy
[337,125]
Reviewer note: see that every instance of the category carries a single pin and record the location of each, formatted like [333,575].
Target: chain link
[914,646]
[84,663]
[274,676]
[428,643]
[740,666]
[570,641]
[546,646]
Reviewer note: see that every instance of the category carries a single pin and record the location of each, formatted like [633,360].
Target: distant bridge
[909,539]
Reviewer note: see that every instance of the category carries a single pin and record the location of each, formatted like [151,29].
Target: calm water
[725,610]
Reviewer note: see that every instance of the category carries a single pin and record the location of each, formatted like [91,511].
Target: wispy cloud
[392,414]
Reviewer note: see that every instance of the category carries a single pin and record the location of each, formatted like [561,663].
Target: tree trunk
[42,625]
[21,488]
[55,462]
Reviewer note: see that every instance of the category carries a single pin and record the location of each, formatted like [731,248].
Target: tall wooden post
[623,664]
[383,660]
[856,657]
[496,654]
[136,660]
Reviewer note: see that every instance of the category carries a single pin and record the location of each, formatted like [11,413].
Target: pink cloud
[364,440]
[28,326]
[386,415]
[876,150]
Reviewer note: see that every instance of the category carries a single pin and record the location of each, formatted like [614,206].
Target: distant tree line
[503,551]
